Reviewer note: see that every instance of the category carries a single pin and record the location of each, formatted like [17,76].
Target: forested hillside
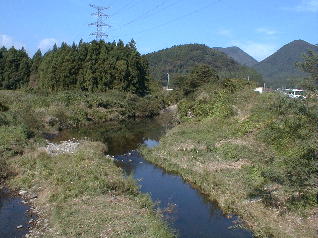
[181,59]
[238,55]
[280,68]
[95,67]
[15,66]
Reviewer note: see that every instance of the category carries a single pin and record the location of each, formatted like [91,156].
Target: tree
[310,65]
[34,72]
[95,67]
[14,68]
[200,75]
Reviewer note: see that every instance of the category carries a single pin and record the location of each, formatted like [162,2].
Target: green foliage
[200,75]
[34,75]
[38,113]
[279,69]
[12,140]
[93,67]
[86,195]
[291,131]
[3,168]
[214,97]
[310,65]
[14,68]
[256,155]
[181,60]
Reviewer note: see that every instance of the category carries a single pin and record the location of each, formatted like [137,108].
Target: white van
[294,93]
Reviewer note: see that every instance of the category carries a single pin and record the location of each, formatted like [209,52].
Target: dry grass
[85,195]
[222,158]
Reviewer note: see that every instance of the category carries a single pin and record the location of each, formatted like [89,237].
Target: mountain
[238,55]
[279,69]
[182,58]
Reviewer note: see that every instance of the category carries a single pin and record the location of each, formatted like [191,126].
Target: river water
[13,213]
[190,213]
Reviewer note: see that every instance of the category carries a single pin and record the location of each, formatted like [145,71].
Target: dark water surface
[191,214]
[13,213]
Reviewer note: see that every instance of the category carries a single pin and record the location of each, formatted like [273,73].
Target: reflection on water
[120,138]
[193,215]
[12,214]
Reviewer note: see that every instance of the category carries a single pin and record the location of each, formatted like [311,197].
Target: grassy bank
[85,195]
[73,108]
[24,116]
[253,154]
[82,194]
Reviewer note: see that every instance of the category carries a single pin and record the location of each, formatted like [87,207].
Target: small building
[259,90]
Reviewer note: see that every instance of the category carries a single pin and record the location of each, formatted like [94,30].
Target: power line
[175,19]
[150,13]
[99,34]
[145,14]
[126,7]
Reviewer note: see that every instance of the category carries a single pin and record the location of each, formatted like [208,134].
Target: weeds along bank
[25,116]
[82,194]
[85,195]
[254,154]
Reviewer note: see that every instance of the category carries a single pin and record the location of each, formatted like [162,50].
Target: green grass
[85,195]
[257,161]
[82,194]
[69,109]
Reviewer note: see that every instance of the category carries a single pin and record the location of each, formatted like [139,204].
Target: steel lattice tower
[99,34]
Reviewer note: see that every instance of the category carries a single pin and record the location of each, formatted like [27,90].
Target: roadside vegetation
[256,155]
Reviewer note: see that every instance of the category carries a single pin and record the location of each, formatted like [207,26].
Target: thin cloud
[47,44]
[306,6]
[259,51]
[266,31]
[8,42]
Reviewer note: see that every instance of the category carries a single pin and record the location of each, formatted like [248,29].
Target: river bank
[253,155]
[185,209]
[79,191]
[82,193]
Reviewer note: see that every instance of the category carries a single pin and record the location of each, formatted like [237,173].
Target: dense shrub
[12,140]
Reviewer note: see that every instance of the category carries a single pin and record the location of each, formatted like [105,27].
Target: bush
[12,140]
[3,168]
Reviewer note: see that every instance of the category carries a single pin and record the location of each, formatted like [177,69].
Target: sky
[259,27]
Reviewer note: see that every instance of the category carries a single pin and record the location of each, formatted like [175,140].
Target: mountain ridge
[180,59]
[238,55]
[279,69]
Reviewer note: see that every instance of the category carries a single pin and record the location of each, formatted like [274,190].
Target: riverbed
[187,211]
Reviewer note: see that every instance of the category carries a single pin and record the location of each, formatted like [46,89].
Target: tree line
[98,66]
[95,67]
[181,59]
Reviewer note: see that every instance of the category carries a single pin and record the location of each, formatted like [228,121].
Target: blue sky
[259,27]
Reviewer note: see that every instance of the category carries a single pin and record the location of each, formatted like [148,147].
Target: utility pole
[168,81]
[99,34]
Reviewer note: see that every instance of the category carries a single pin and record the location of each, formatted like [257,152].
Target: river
[13,213]
[191,214]
[187,211]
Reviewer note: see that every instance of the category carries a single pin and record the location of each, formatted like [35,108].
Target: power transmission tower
[99,34]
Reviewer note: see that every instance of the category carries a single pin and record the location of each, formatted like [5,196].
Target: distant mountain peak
[238,55]
[279,69]
[181,59]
